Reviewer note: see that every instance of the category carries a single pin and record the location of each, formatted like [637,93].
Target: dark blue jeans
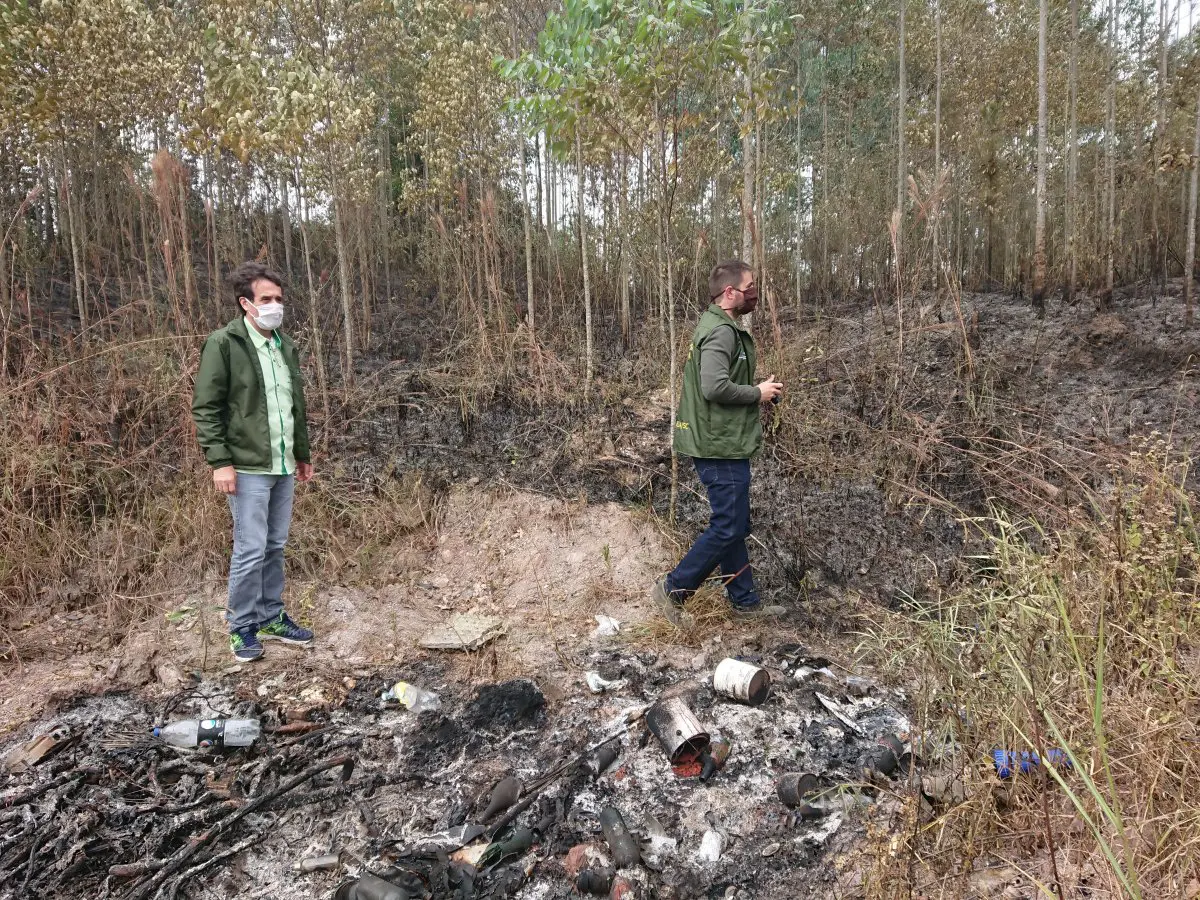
[723,543]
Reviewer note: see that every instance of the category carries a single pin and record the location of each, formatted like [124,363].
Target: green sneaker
[244,644]
[282,628]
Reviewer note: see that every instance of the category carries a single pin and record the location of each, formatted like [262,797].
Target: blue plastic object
[1009,761]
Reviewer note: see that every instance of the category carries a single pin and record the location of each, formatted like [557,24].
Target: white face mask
[268,316]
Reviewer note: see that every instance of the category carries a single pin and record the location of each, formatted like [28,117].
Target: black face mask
[749,301]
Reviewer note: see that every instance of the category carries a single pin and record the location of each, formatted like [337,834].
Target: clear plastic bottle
[415,698]
[210,734]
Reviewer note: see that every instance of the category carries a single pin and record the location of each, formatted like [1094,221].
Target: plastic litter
[886,757]
[711,846]
[658,843]
[603,760]
[445,841]
[414,698]
[598,685]
[606,626]
[1008,762]
[210,734]
[838,712]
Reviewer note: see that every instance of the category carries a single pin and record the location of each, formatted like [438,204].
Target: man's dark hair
[246,274]
[726,274]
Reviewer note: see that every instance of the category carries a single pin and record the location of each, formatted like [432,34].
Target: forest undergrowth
[1071,625]
[1079,640]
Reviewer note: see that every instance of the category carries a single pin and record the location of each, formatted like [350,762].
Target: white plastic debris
[598,685]
[827,829]
[607,626]
[711,846]
[658,843]
[839,712]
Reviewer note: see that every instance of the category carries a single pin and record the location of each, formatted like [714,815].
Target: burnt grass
[870,468]
[875,459]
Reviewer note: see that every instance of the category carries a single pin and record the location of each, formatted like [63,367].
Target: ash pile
[634,781]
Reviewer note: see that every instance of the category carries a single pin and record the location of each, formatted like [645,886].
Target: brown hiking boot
[672,610]
[757,613]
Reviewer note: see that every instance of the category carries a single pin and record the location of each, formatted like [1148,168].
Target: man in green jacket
[249,411]
[719,426]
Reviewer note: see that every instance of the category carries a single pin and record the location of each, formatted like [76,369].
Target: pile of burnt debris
[633,781]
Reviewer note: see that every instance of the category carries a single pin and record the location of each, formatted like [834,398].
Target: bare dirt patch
[545,566]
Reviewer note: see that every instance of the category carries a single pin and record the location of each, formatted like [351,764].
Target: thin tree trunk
[826,270]
[798,254]
[715,216]
[190,289]
[1189,273]
[937,158]
[1072,154]
[626,251]
[1039,239]
[666,276]
[339,236]
[1160,129]
[76,254]
[901,169]
[748,163]
[537,147]
[583,254]
[530,318]
[1110,153]
[384,206]
[366,287]
[314,317]
[286,215]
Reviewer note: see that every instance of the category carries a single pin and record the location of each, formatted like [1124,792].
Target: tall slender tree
[1039,240]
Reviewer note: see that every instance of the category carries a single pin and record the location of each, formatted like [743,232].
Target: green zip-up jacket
[706,428]
[229,404]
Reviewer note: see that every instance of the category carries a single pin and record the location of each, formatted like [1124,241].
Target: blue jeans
[723,543]
[262,512]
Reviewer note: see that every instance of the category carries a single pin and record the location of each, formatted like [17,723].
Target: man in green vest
[719,427]
[249,411]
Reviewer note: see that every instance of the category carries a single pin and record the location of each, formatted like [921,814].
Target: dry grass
[106,504]
[1083,639]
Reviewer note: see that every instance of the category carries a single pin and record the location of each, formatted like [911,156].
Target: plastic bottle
[210,734]
[415,698]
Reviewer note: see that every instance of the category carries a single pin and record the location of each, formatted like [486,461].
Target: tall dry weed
[1084,640]
[106,504]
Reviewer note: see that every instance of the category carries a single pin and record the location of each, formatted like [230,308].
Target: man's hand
[225,479]
[769,389]
[304,472]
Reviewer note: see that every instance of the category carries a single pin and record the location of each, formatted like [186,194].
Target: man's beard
[747,306]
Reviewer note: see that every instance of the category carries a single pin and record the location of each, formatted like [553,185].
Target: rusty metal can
[796,789]
[677,729]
